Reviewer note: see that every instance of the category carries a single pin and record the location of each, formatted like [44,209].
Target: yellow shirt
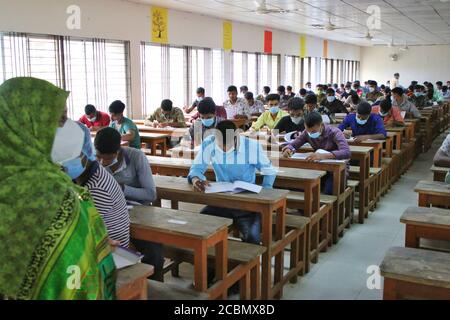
[266,120]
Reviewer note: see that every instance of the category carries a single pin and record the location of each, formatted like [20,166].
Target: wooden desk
[415,274]
[433,193]
[426,223]
[398,136]
[377,146]
[439,173]
[185,230]
[264,203]
[131,283]
[172,132]
[155,139]
[287,178]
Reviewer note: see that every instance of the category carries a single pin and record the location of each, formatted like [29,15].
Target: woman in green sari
[53,243]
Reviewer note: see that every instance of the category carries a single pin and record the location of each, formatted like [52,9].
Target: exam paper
[125,257]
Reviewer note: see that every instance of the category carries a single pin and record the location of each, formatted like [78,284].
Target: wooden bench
[131,283]
[164,291]
[433,193]
[411,273]
[154,140]
[425,223]
[439,173]
[244,267]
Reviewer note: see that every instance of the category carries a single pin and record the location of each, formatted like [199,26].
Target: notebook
[124,257]
[232,187]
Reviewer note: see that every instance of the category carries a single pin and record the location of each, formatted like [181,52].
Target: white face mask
[92,119]
[68,142]
[296,120]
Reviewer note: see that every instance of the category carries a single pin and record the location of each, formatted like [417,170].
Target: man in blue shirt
[363,125]
[126,127]
[233,158]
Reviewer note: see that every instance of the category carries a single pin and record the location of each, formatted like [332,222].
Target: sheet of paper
[331,161]
[124,257]
[218,187]
[321,151]
[350,139]
[302,156]
[247,186]
[403,113]
[174,221]
[326,119]
[288,136]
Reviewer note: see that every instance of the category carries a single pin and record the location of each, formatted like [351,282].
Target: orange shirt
[394,114]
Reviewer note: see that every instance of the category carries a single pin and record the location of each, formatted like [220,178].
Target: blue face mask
[361,122]
[331,99]
[418,94]
[208,122]
[314,135]
[74,168]
[274,110]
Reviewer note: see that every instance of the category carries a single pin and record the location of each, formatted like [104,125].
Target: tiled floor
[342,271]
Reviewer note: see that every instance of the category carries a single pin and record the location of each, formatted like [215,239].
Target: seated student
[374,94]
[311,104]
[243,90]
[392,117]
[270,117]
[127,165]
[295,120]
[357,88]
[130,168]
[237,108]
[320,92]
[401,100]
[302,94]
[256,106]
[418,98]
[321,136]
[208,120]
[363,125]
[410,91]
[94,119]
[442,157]
[432,94]
[445,93]
[308,88]
[347,92]
[333,104]
[262,97]
[108,197]
[220,112]
[289,92]
[352,102]
[284,98]
[200,96]
[125,126]
[341,89]
[439,85]
[228,153]
[166,116]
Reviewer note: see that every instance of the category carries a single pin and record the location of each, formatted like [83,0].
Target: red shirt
[101,121]
[395,114]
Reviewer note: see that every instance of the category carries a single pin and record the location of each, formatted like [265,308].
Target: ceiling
[411,22]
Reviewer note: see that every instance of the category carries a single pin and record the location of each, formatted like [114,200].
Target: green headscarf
[31,186]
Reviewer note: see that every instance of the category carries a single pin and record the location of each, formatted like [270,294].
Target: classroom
[226,150]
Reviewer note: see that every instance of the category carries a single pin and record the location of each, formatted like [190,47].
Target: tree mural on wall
[159,24]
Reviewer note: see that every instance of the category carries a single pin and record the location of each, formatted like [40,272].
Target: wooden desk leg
[144,291]
[411,239]
[423,200]
[266,226]
[153,148]
[221,259]
[389,289]
[164,148]
[376,158]
[255,276]
[363,188]
[200,266]
[279,258]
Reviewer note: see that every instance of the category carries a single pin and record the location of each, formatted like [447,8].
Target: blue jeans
[248,223]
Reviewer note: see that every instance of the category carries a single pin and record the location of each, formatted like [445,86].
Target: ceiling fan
[369,37]
[330,26]
[261,8]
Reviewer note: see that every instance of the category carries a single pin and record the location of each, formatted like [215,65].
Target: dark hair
[89,109]
[330,91]
[107,140]
[116,107]
[248,95]
[386,104]
[355,98]
[166,105]
[396,74]
[232,89]
[439,83]
[308,83]
[348,86]
[312,119]
[296,104]
[382,87]
[223,126]
[444,88]
[281,89]
[388,91]
[266,89]
[206,106]
[411,88]
[364,108]
[414,83]
[311,99]
[201,90]
[373,83]
[399,91]
[289,88]
[273,96]
[243,88]
[303,92]
[418,87]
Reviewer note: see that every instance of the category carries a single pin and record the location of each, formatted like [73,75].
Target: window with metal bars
[95,71]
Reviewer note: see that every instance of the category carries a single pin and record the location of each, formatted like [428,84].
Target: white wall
[428,63]
[122,20]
